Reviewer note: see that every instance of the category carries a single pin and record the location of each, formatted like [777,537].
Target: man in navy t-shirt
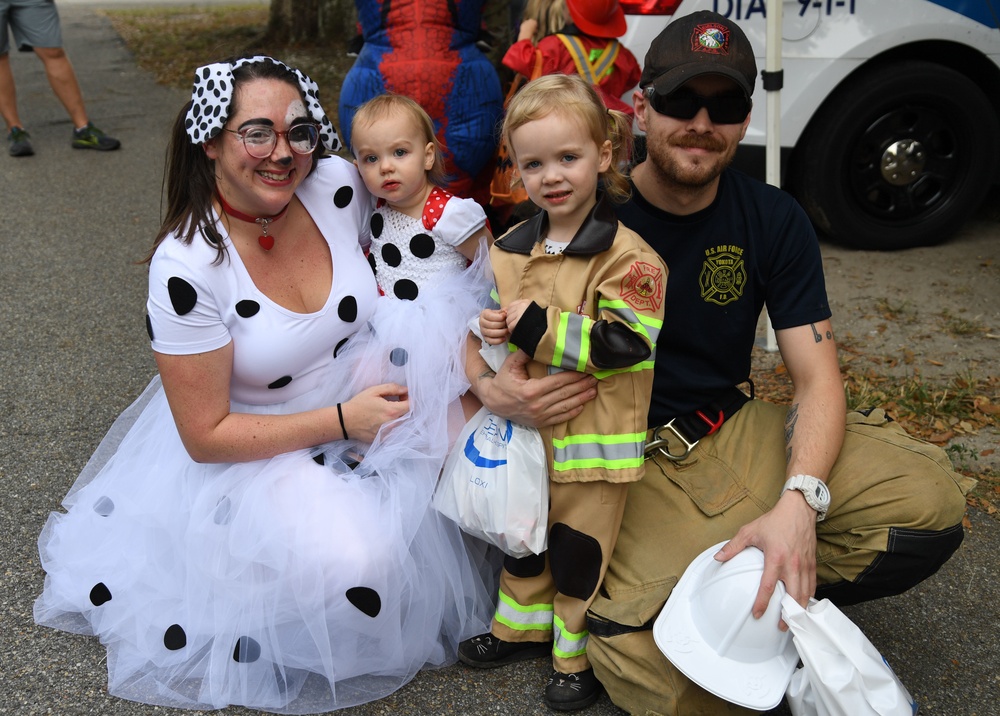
[849,509]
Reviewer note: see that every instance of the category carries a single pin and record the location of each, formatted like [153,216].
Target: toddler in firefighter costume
[578,291]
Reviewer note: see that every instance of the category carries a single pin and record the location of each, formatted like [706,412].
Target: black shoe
[486,651]
[569,692]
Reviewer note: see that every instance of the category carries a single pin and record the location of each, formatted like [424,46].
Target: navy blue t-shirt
[753,245]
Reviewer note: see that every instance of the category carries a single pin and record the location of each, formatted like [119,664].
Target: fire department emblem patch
[713,39]
[642,287]
[723,277]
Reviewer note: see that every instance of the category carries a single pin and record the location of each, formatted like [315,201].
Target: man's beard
[687,176]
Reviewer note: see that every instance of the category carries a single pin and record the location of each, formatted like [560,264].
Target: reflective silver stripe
[608,451]
[566,644]
[535,617]
[572,341]
[639,322]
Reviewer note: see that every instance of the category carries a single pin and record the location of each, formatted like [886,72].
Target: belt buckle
[663,444]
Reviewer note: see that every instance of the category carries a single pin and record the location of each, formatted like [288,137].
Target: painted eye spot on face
[296,110]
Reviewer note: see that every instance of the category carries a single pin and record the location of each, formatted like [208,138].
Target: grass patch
[959,326]
[170,42]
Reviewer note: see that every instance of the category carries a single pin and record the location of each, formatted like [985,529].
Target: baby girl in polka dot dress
[420,232]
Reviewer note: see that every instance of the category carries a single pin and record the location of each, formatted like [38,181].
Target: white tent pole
[772,64]
[772,83]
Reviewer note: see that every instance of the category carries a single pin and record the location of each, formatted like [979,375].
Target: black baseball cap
[702,43]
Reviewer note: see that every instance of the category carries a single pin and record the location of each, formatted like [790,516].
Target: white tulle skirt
[300,584]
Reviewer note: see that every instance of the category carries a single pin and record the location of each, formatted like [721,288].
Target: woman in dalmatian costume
[255,530]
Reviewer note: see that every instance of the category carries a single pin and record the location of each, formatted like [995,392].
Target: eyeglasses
[685,104]
[260,140]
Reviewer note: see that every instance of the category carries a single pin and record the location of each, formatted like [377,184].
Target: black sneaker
[18,144]
[487,652]
[569,692]
[90,137]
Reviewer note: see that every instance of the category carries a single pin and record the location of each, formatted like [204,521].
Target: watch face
[822,493]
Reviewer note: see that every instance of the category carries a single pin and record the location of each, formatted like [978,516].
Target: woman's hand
[369,410]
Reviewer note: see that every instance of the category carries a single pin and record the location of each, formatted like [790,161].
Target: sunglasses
[260,140]
[684,104]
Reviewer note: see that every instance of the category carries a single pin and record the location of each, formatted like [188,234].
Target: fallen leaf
[941,438]
[987,453]
[935,362]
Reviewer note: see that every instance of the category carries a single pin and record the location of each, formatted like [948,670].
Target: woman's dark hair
[190,174]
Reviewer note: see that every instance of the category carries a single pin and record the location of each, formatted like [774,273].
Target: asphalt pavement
[74,353]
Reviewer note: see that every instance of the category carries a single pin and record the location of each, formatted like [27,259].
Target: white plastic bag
[495,484]
[842,673]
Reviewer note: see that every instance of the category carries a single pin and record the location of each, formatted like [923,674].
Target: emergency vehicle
[890,109]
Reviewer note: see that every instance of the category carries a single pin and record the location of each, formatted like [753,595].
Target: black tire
[940,123]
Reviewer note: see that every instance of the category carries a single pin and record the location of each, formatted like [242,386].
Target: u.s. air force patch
[723,275]
[642,287]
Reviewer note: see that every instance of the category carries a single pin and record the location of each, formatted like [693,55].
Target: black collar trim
[597,233]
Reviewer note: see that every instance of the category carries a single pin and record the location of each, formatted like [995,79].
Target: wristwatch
[815,491]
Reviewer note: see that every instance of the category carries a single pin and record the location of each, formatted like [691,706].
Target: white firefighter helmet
[707,631]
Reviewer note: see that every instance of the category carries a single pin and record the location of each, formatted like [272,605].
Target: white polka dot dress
[408,254]
[303,583]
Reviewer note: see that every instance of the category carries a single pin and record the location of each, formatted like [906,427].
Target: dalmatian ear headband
[212,95]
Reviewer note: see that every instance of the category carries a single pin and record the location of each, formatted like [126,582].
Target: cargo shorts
[34,23]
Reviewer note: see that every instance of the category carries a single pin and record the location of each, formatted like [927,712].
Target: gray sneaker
[18,144]
[90,137]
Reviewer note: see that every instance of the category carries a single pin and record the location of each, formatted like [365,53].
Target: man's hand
[787,537]
[537,402]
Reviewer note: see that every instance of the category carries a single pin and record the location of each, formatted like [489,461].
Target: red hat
[598,18]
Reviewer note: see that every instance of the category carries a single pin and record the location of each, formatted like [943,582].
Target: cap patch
[711,38]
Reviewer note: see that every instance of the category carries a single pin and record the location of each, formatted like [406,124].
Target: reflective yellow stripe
[572,341]
[640,323]
[566,644]
[643,365]
[610,452]
[534,617]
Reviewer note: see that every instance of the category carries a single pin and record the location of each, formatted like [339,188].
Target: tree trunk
[307,22]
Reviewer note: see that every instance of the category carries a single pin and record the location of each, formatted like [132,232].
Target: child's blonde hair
[388,104]
[551,16]
[571,95]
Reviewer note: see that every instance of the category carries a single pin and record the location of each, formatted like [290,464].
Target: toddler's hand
[493,326]
[514,312]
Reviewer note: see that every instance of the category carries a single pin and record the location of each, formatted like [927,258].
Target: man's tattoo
[817,336]
[488,373]
[790,419]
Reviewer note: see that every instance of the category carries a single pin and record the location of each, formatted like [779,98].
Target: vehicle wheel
[898,157]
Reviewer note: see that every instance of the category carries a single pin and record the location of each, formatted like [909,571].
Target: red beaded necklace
[266,242]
